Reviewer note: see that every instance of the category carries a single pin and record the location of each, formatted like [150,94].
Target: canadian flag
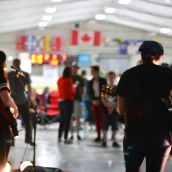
[85,38]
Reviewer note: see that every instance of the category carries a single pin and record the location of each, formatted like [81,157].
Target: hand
[14,111]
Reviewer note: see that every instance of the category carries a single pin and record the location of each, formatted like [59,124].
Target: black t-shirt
[79,83]
[17,86]
[143,87]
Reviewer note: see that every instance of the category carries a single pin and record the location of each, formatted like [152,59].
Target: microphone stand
[19,75]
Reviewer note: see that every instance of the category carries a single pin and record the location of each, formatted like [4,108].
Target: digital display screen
[52,59]
[84,60]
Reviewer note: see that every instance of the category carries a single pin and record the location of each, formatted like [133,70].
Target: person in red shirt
[66,97]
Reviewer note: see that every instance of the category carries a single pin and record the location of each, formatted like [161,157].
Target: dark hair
[2,57]
[2,61]
[16,62]
[111,73]
[83,72]
[96,68]
[151,50]
[67,72]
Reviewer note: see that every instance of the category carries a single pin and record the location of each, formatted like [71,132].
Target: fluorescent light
[42,24]
[50,10]
[168,1]
[110,10]
[47,18]
[56,1]
[100,17]
[165,30]
[123,2]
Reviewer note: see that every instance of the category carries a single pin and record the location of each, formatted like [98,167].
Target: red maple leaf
[86,38]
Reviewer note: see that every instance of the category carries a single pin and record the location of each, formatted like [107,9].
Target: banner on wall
[33,43]
[85,38]
[129,46]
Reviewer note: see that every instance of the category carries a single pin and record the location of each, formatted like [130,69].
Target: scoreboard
[51,59]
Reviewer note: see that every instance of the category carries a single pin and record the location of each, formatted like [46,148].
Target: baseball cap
[151,49]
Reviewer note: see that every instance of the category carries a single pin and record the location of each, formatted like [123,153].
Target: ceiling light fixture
[168,1]
[42,24]
[100,17]
[47,18]
[56,1]
[50,10]
[165,30]
[110,10]
[124,2]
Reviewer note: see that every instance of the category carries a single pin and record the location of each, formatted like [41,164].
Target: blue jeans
[154,148]
[66,110]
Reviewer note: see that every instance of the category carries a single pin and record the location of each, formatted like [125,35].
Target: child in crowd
[110,115]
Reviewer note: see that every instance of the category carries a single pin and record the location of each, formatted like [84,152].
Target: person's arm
[90,89]
[29,90]
[104,102]
[120,91]
[82,86]
[120,105]
[8,101]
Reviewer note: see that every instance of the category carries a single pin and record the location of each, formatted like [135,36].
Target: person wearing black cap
[142,91]
[5,135]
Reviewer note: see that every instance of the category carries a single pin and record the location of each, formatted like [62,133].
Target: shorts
[77,111]
[110,120]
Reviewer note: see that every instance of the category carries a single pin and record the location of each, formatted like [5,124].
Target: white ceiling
[148,15]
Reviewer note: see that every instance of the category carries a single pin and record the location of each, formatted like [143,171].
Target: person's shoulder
[10,73]
[169,71]
[78,77]
[166,70]
[102,79]
[25,73]
[91,80]
[130,71]
[67,79]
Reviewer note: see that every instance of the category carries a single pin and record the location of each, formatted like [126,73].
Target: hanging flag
[36,43]
[21,43]
[56,44]
[85,38]
[47,43]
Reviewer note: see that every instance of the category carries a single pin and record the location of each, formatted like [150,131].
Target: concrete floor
[83,156]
